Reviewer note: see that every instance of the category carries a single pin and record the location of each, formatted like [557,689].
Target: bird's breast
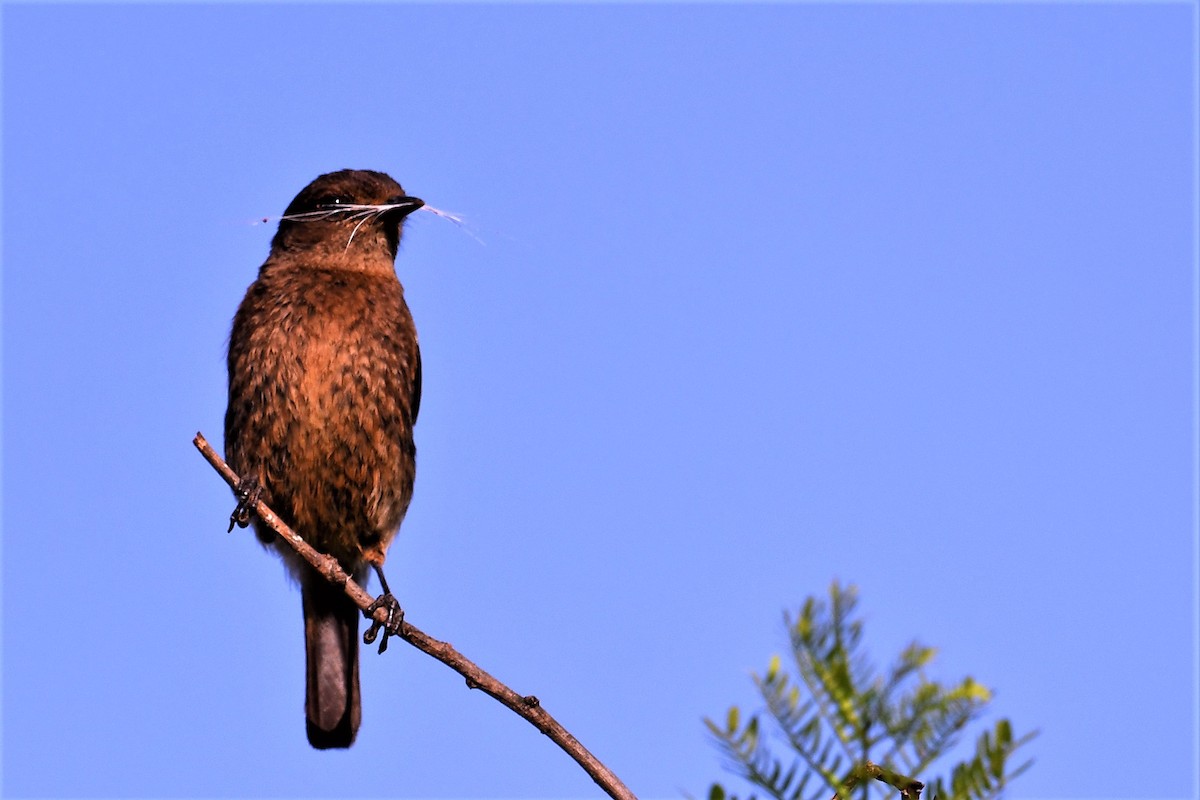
[335,360]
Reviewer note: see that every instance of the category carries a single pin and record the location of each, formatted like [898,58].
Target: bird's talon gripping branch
[249,492]
[394,625]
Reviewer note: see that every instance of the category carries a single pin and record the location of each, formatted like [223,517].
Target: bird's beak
[403,206]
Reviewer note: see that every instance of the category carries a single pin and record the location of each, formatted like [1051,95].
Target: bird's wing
[416,388]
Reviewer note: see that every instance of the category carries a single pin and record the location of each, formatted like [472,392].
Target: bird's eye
[332,201]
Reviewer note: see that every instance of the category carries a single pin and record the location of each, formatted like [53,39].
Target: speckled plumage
[324,389]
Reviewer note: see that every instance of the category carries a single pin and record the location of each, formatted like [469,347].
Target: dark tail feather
[333,706]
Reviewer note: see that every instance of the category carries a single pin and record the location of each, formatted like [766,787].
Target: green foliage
[836,714]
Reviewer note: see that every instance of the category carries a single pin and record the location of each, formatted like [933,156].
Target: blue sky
[902,295]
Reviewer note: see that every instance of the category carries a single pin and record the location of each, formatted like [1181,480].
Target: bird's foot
[394,625]
[248,492]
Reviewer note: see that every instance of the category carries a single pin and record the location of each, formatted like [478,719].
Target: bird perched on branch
[324,389]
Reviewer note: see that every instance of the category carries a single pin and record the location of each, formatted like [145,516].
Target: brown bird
[324,389]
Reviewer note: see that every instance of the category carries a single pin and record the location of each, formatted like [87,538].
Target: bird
[324,391]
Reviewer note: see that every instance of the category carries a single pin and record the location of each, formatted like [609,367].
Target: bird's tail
[332,705]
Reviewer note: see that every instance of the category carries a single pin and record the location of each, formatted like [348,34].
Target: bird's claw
[394,625]
[249,492]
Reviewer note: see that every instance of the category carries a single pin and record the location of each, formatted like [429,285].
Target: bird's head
[349,214]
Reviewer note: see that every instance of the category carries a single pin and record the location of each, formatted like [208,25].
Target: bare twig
[526,706]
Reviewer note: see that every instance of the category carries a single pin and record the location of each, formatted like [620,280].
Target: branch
[910,788]
[526,706]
